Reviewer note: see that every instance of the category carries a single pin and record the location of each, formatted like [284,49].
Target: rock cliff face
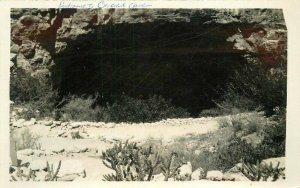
[146,50]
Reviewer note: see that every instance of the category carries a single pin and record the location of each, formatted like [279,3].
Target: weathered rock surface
[70,169]
[185,172]
[274,162]
[39,33]
[38,165]
[26,152]
[214,175]
[198,174]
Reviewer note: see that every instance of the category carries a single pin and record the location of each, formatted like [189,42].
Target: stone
[70,177]
[29,123]
[214,175]
[13,57]
[254,139]
[58,150]
[74,150]
[58,123]
[274,161]
[64,124]
[14,48]
[198,174]
[79,178]
[28,49]
[70,167]
[40,175]
[185,172]
[38,153]
[75,125]
[26,152]
[60,47]
[11,64]
[38,165]
[235,173]
[158,177]
[197,152]
[82,150]
[47,123]
[25,160]
[19,123]
[93,150]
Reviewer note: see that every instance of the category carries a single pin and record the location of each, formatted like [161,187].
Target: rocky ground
[79,146]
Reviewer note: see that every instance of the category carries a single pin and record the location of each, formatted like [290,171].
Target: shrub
[244,124]
[261,171]
[35,94]
[274,136]
[265,86]
[230,104]
[81,109]
[229,153]
[154,108]
[126,109]
[212,112]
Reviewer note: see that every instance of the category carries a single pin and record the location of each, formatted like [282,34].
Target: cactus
[261,171]
[52,176]
[31,176]
[130,162]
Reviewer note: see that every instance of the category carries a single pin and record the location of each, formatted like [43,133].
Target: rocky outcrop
[38,34]
[63,43]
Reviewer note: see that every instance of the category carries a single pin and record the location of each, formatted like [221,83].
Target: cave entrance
[184,62]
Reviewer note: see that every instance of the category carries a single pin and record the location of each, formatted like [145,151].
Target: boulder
[47,123]
[38,152]
[185,172]
[75,125]
[214,175]
[158,177]
[26,152]
[25,160]
[197,152]
[38,165]
[19,123]
[70,169]
[58,150]
[29,123]
[275,161]
[40,175]
[70,177]
[235,173]
[198,174]
[254,139]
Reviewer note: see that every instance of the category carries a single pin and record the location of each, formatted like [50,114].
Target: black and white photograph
[148,94]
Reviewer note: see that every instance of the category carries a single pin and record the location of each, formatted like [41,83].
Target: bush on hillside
[81,109]
[155,108]
[266,87]
[34,93]
[126,109]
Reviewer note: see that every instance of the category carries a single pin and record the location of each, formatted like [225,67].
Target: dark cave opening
[186,62]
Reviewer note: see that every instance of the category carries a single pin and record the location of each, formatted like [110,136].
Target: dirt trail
[104,135]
